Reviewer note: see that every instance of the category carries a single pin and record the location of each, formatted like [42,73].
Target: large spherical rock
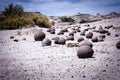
[78,30]
[80,39]
[108,33]
[108,27]
[85,42]
[94,39]
[71,34]
[46,42]
[15,40]
[118,45]
[11,37]
[97,31]
[102,31]
[86,29]
[103,36]
[52,31]
[85,52]
[73,28]
[61,41]
[116,35]
[89,35]
[70,37]
[94,27]
[100,27]
[73,31]
[56,40]
[39,36]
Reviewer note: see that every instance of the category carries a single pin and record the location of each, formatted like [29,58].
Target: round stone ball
[70,37]
[56,40]
[103,36]
[80,39]
[61,41]
[94,39]
[116,35]
[89,35]
[46,42]
[71,34]
[52,31]
[78,30]
[85,42]
[85,52]
[73,31]
[108,33]
[102,31]
[11,37]
[118,45]
[86,29]
[39,36]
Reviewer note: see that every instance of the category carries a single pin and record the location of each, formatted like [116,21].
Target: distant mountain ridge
[79,17]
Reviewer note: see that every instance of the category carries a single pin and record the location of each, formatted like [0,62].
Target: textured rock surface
[80,39]
[70,37]
[61,41]
[94,39]
[118,45]
[85,52]
[39,36]
[46,42]
[85,42]
[89,35]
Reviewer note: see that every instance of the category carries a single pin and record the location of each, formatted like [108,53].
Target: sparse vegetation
[43,22]
[67,19]
[16,18]
[12,10]
[16,23]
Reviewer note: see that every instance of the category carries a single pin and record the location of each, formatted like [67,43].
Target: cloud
[42,1]
[68,7]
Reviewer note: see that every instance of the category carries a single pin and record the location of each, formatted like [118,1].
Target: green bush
[67,19]
[43,22]
[13,10]
[16,23]
[16,18]
[35,18]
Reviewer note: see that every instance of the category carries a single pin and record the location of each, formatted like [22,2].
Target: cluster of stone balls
[84,47]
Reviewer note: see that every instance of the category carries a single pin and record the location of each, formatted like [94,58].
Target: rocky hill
[80,17]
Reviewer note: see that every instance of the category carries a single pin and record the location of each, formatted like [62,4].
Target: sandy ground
[28,60]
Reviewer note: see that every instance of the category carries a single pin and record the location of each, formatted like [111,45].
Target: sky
[66,7]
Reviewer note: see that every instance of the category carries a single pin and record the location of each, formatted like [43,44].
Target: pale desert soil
[29,60]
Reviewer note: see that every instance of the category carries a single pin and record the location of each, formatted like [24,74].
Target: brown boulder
[39,36]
